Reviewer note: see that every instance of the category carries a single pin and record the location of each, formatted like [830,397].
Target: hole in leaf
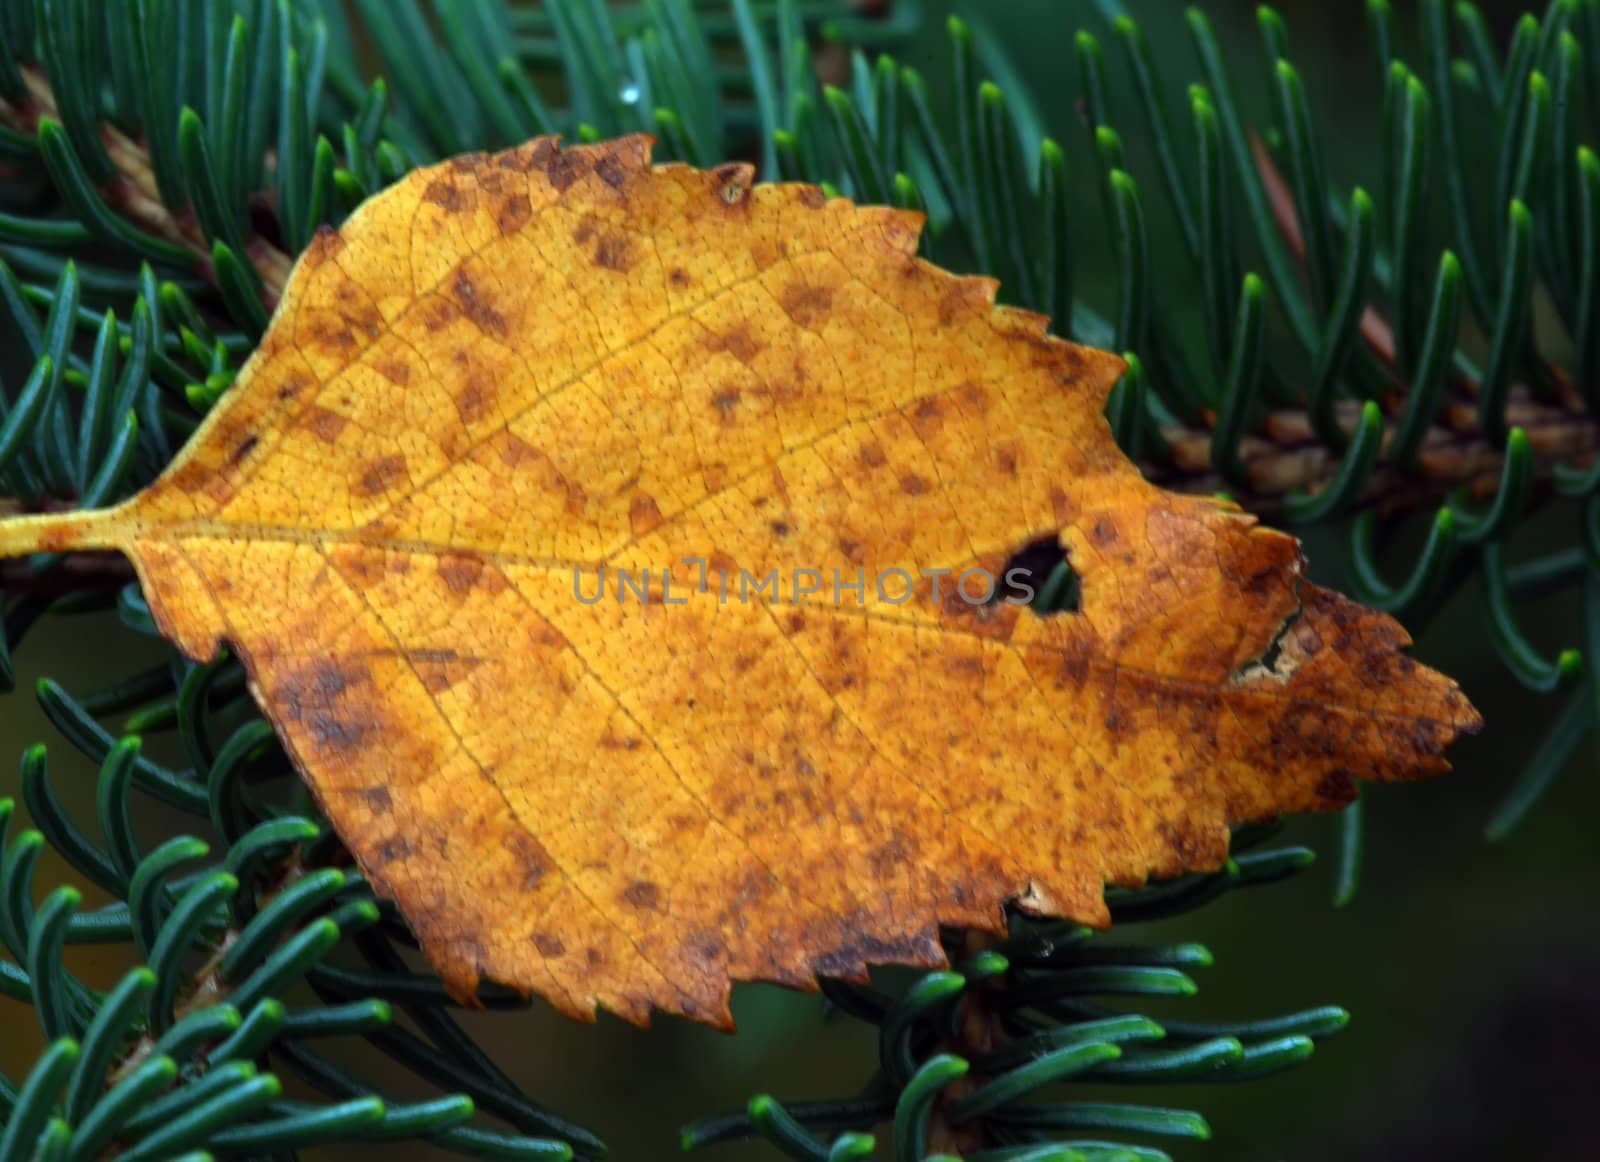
[1040,576]
[1271,663]
[1269,660]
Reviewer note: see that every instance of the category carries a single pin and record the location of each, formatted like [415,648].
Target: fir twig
[132,190]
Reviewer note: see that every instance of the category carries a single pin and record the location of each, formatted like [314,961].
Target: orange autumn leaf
[508,378]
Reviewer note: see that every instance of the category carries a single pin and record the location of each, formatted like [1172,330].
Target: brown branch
[72,574]
[207,989]
[1285,456]
[977,1032]
[133,192]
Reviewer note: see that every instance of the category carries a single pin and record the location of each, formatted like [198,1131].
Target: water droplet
[629,93]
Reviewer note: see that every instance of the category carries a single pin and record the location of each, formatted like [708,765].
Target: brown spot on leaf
[242,449]
[614,252]
[437,312]
[292,386]
[364,567]
[396,371]
[378,799]
[1119,726]
[514,213]
[805,304]
[534,155]
[928,418]
[395,849]
[566,167]
[962,298]
[324,424]
[644,515]
[736,341]
[531,857]
[515,451]
[317,699]
[493,180]
[1061,506]
[974,398]
[476,399]
[325,244]
[460,572]
[611,170]
[442,192]
[382,474]
[436,680]
[1187,848]
[439,670]
[1073,664]
[476,306]
[327,333]
[643,894]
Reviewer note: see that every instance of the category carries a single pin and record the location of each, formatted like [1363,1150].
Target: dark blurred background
[1472,969]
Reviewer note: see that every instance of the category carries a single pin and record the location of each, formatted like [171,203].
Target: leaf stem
[57,532]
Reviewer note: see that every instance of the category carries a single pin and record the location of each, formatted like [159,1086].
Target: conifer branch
[133,192]
[1286,456]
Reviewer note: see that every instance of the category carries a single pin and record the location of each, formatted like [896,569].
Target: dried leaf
[510,375]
